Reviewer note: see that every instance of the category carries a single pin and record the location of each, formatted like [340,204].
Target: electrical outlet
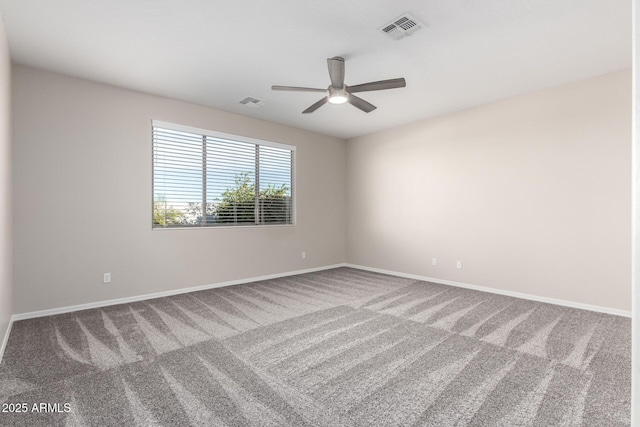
[434,261]
[459,265]
[304,255]
[106,278]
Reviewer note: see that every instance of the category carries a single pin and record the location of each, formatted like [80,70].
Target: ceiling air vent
[401,27]
[252,102]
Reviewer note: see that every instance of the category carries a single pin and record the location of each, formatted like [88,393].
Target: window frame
[231,137]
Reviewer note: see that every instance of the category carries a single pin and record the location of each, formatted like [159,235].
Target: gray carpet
[340,347]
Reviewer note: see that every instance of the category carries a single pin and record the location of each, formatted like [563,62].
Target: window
[207,179]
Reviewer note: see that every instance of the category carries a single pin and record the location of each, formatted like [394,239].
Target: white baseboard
[5,339]
[126,300]
[555,301]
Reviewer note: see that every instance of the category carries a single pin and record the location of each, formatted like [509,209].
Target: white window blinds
[206,179]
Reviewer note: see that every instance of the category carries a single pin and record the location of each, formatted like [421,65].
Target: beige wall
[531,193]
[6,297]
[82,198]
[635,251]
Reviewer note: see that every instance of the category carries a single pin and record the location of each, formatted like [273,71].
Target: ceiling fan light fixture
[337,96]
[338,99]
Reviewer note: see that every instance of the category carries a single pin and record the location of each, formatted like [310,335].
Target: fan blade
[315,106]
[381,85]
[299,89]
[361,104]
[336,71]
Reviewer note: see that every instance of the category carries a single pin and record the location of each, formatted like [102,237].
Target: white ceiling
[214,52]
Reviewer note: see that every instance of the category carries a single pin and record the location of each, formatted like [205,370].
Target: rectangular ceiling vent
[401,27]
[252,102]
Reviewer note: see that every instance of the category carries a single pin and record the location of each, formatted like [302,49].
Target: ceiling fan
[339,93]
